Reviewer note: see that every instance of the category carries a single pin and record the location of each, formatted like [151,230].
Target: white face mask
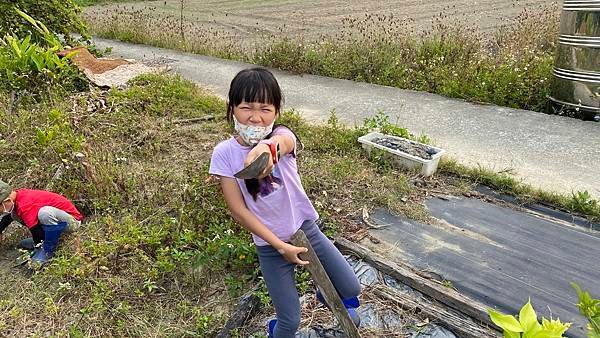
[252,134]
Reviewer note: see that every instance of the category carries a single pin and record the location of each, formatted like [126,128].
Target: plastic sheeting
[434,331]
[384,319]
[369,276]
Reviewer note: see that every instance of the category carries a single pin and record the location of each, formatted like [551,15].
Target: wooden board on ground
[457,322]
[442,294]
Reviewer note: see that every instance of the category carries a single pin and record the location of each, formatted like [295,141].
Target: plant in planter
[404,152]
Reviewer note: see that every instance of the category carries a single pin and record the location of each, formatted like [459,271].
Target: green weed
[33,67]
[527,325]
[579,202]
[590,309]
[61,17]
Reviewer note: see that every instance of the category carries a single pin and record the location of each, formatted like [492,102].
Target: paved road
[551,152]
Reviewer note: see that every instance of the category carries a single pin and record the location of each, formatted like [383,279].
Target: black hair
[254,85]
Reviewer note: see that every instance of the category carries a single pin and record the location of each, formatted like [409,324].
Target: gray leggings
[52,216]
[281,283]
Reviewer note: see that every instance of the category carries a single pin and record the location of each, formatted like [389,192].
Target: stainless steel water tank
[576,84]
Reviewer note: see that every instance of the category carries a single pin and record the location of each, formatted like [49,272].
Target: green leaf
[510,334]
[27,17]
[593,334]
[15,46]
[555,326]
[528,320]
[26,41]
[39,62]
[545,333]
[71,54]
[506,322]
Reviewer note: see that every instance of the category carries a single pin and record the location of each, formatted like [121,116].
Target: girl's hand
[254,153]
[290,253]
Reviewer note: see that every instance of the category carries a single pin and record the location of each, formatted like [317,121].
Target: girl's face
[255,113]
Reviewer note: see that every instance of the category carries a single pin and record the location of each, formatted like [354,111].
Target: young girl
[274,206]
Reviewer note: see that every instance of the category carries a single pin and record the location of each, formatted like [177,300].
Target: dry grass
[511,67]
[160,255]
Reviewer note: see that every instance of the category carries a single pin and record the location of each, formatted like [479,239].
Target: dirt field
[312,18]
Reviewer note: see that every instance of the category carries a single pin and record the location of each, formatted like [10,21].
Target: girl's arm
[286,146]
[239,211]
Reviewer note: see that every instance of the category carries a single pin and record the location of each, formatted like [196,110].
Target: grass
[159,254]
[512,68]
[580,202]
[137,268]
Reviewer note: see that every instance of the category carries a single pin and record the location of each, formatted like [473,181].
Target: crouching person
[46,214]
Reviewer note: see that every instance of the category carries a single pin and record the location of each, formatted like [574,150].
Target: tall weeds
[512,67]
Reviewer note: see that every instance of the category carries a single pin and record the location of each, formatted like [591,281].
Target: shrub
[60,16]
[30,67]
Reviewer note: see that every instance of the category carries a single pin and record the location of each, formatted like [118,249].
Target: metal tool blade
[254,169]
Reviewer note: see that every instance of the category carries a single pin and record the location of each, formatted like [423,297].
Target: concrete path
[554,153]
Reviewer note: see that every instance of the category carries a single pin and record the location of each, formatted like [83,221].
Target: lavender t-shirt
[284,206]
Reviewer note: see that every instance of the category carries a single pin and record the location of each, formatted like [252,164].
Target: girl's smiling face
[255,113]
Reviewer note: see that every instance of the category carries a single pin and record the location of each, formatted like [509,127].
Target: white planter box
[402,159]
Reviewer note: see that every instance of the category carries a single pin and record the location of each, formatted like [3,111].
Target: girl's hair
[253,85]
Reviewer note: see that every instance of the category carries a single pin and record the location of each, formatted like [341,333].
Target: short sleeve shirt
[281,204]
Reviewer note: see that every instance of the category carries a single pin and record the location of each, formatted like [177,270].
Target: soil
[87,62]
[10,273]
[405,146]
[311,18]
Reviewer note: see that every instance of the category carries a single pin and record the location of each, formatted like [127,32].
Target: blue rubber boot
[272,324]
[43,253]
[351,304]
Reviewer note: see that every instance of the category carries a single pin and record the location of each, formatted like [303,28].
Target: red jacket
[29,202]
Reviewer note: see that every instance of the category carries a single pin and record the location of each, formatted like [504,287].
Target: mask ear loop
[11,209]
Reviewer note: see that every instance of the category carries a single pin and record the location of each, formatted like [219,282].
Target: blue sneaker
[351,304]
